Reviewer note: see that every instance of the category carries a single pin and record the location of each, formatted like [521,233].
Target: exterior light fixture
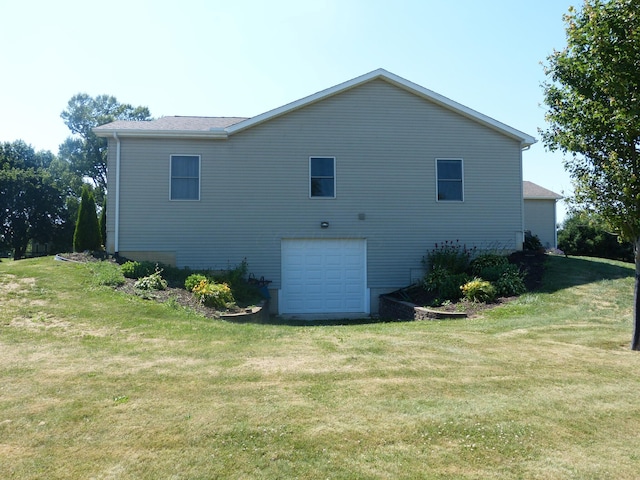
[324,224]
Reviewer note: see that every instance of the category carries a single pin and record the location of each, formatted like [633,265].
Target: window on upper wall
[322,175]
[450,179]
[185,177]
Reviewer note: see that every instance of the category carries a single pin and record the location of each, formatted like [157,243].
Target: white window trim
[461,173]
[199,176]
[335,174]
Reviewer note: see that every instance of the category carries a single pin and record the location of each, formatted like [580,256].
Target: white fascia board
[303,102]
[214,134]
[525,140]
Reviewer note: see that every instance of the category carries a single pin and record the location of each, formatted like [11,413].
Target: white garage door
[323,276]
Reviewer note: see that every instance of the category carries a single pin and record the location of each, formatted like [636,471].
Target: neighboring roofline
[525,140]
[543,193]
[560,197]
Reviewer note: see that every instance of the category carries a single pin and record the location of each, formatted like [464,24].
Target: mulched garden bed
[171,294]
[530,262]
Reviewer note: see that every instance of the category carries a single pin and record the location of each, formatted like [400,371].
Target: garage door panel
[323,276]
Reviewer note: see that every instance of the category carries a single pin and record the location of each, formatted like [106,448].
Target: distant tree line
[55,199]
[587,234]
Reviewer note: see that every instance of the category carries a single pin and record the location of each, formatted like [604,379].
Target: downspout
[116,243]
[555,224]
[520,239]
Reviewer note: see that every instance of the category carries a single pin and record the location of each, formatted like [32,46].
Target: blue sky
[245,57]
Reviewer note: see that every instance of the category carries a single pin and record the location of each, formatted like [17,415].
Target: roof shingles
[173,124]
[534,191]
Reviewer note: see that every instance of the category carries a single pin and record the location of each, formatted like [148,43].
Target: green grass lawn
[98,384]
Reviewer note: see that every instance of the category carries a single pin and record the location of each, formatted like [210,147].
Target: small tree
[87,233]
[593,101]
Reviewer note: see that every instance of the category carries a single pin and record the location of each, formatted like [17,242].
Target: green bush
[532,242]
[586,234]
[510,282]
[450,256]
[152,282]
[490,263]
[215,295]
[479,290]
[106,273]
[135,270]
[87,232]
[445,285]
[236,278]
[193,280]
[174,276]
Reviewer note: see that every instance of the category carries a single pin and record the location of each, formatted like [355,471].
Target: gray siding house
[335,198]
[540,213]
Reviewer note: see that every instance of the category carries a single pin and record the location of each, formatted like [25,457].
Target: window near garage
[322,177]
[185,177]
[450,179]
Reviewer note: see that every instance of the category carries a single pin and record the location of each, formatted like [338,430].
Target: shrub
[215,295]
[510,282]
[490,266]
[450,256]
[488,261]
[445,285]
[193,280]
[532,242]
[174,276]
[236,278]
[152,282]
[131,269]
[87,232]
[106,273]
[479,290]
[584,233]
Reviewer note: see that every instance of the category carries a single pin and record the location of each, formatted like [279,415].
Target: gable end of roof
[222,127]
[525,140]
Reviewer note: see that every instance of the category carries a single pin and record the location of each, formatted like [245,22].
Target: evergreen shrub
[87,232]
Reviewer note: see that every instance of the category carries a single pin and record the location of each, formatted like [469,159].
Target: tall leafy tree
[84,151]
[20,155]
[32,207]
[593,100]
[87,234]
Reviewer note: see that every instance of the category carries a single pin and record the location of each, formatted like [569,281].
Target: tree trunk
[635,341]
[19,252]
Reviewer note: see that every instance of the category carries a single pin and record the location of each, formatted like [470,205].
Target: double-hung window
[450,185]
[185,177]
[322,177]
